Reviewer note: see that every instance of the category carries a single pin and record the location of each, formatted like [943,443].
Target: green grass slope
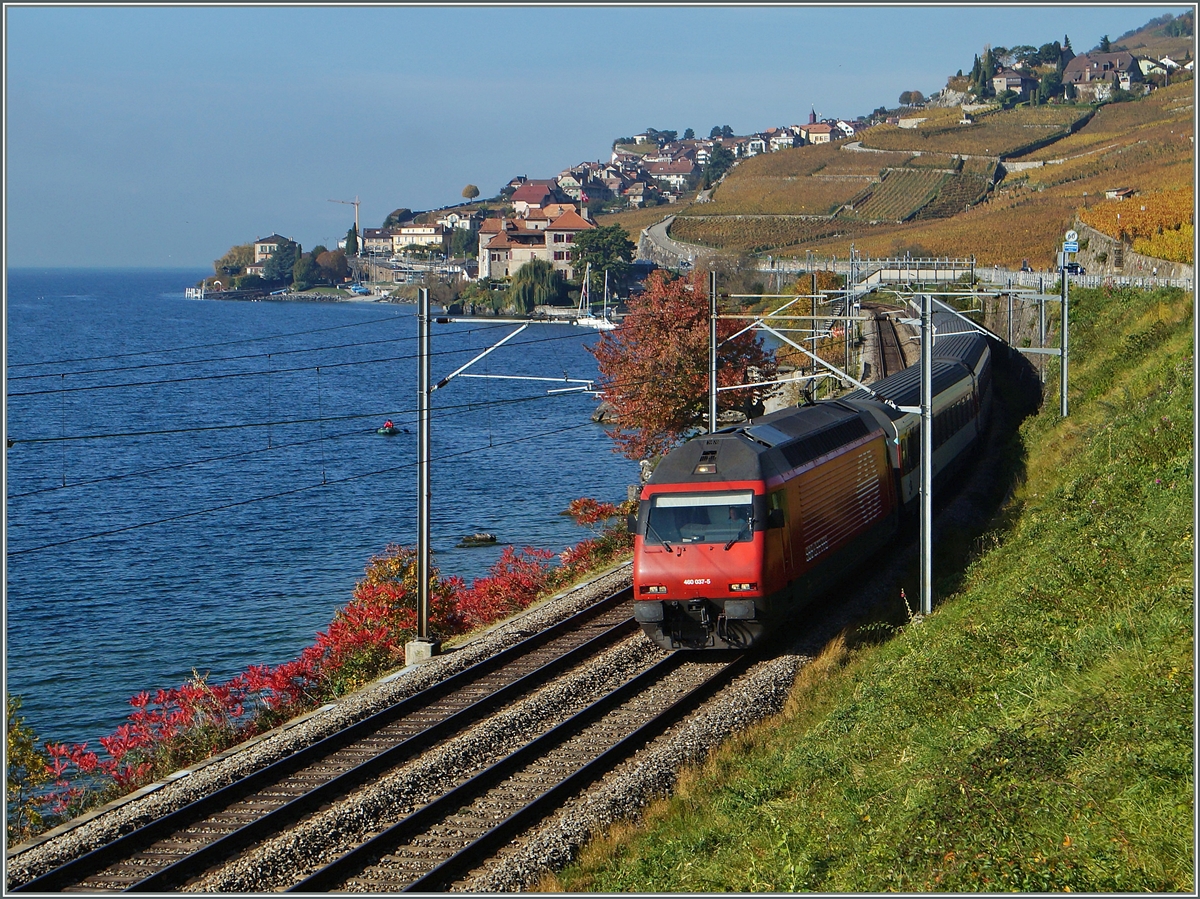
[1035,732]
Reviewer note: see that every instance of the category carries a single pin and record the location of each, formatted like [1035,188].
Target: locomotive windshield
[701,517]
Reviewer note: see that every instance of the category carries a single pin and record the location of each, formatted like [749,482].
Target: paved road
[657,246]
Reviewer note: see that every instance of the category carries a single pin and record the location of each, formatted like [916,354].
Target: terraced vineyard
[756,234]
[804,181]
[900,195]
[1002,133]
[1144,144]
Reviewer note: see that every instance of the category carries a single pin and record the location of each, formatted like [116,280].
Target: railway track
[437,846]
[889,353]
[182,846]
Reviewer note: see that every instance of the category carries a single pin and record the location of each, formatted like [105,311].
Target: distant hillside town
[539,219]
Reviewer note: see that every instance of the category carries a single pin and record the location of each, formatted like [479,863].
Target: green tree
[1049,86]
[987,72]
[689,134]
[248,282]
[278,267]
[27,773]
[1048,54]
[397,217]
[305,271]
[1181,26]
[536,283]
[470,191]
[1105,44]
[352,241]
[719,162]
[608,249]
[463,243]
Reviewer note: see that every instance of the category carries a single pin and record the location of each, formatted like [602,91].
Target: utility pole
[1062,401]
[712,352]
[1070,245]
[422,648]
[927,338]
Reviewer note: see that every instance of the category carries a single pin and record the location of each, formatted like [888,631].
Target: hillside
[1054,161]
[1035,733]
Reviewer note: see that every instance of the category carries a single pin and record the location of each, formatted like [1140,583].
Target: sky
[160,136]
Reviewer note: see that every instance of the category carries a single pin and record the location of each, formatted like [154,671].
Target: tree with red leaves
[654,368]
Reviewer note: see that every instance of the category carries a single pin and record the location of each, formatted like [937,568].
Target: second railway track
[887,342]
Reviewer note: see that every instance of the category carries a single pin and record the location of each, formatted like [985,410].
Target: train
[738,529]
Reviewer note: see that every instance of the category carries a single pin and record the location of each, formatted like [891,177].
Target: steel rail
[126,845]
[334,874]
[471,856]
[340,785]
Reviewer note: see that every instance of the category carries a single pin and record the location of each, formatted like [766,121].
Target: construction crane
[353,203]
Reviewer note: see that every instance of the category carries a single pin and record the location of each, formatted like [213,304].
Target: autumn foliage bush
[1158,223]
[168,729]
[654,369]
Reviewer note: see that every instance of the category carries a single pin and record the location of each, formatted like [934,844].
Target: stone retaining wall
[1134,265]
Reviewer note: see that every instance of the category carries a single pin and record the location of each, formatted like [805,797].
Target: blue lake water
[197,484]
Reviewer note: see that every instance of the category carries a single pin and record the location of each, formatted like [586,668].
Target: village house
[466,221]
[1095,75]
[432,236]
[818,133]
[1118,193]
[640,193]
[782,140]
[505,245]
[534,195]
[376,241]
[1020,83]
[674,175]
[265,247]
[752,146]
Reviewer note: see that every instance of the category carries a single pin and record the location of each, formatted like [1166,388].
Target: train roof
[904,387]
[764,446]
[967,348]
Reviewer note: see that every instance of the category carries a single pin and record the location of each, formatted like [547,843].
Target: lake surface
[198,485]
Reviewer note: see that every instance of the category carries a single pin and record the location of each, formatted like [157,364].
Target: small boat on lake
[480,539]
[388,429]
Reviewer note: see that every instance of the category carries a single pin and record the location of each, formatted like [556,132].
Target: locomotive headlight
[742,588]
[652,588]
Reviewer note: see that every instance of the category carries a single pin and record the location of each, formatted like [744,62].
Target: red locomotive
[738,529]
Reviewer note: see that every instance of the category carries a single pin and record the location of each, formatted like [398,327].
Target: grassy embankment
[1035,732]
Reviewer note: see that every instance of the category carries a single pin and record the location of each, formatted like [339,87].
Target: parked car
[1074,268]
[1025,266]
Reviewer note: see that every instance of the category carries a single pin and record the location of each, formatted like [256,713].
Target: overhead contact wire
[283,493]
